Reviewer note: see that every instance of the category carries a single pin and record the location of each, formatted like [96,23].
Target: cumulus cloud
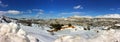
[3,5]
[13,12]
[10,12]
[78,7]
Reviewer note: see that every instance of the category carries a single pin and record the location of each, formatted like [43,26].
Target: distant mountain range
[105,20]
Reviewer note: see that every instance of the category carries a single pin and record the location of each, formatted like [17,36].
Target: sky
[58,8]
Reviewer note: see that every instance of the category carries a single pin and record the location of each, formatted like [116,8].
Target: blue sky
[58,8]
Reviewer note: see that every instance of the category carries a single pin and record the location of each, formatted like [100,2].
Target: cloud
[67,14]
[99,16]
[39,12]
[112,9]
[14,12]
[109,16]
[71,13]
[78,7]
[78,16]
[3,5]
[118,8]
[2,12]
[29,11]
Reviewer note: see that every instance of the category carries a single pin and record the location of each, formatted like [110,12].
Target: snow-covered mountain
[4,19]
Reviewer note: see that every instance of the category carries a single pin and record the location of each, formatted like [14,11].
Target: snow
[21,33]
[9,33]
[35,34]
[12,32]
[103,36]
[117,24]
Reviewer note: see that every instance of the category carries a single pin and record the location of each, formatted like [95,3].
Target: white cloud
[109,16]
[2,12]
[3,5]
[99,16]
[13,12]
[78,7]
[10,12]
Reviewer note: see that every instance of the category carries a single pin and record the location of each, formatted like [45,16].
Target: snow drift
[10,32]
[103,36]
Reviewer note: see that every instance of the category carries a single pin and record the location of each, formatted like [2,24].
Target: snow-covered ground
[16,32]
[91,36]
[11,32]
[67,35]
[74,35]
[20,33]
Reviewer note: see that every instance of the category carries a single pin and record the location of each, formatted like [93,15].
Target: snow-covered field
[11,32]
[16,32]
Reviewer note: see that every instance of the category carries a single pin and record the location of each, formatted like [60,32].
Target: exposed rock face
[10,32]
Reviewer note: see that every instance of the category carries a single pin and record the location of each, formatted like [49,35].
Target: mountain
[5,19]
